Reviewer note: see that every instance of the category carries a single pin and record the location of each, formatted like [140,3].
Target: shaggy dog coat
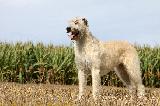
[98,58]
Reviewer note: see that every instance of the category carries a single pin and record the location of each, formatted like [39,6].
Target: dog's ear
[85,21]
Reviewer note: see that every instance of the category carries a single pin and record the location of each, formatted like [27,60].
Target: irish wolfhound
[98,58]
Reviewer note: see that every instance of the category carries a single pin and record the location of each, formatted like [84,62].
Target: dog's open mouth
[73,33]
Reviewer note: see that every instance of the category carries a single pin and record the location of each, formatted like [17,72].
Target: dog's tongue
[71,36]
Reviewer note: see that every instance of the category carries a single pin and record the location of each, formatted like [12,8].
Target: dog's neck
[86,40]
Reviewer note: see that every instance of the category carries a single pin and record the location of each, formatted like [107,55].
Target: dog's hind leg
[131,65]
[133,68]
[123,75]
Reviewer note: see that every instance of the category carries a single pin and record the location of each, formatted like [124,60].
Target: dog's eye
[76,22]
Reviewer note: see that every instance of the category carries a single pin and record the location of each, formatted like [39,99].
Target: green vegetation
[39,63]
[150,65]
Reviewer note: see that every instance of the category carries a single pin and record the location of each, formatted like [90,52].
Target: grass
[13,94]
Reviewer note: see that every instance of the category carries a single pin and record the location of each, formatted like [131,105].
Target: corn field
[39,63]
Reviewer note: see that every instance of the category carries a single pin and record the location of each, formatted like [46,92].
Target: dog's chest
[83,60]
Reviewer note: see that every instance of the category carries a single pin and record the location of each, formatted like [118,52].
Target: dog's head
[77,27]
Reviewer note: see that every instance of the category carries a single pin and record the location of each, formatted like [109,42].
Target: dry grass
[13,94]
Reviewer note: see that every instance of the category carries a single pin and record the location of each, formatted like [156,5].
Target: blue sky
[45,20]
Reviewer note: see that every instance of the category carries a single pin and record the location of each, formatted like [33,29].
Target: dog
[97,58]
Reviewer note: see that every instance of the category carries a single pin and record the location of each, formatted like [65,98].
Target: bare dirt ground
[13,94]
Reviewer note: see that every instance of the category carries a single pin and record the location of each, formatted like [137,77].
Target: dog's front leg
[96,82]
[82,83]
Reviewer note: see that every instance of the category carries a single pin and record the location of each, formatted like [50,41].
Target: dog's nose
[68,29]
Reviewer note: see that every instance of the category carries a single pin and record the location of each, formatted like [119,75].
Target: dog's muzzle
[73,33]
